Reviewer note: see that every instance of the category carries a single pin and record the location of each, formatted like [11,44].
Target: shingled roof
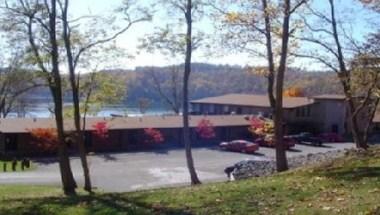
[24,125]
[253,100]
[330,96]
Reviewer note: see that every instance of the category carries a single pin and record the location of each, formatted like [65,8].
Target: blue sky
[129,40]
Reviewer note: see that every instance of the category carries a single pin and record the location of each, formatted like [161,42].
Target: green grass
[18,166]
[350,185]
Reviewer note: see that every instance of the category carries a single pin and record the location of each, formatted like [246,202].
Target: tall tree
[335,48]
[37,23]
[262,29]
[74,53]
[188,10]
[170,42]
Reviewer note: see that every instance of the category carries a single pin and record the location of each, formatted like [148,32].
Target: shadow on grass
[92,204]
[354,174]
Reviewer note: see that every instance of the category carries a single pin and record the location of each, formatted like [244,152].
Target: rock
[257,168]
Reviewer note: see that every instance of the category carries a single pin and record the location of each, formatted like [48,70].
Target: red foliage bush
[101,130]
[46,139]
[256,123]
[153,136]
[205,129]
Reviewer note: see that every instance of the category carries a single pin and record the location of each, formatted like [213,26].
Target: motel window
[298,112]
[308,109]
[226,109]
[239,110]
[11,142]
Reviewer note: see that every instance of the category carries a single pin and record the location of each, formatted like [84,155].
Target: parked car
[239,146]
[308,138]
[269,142]
[331,137]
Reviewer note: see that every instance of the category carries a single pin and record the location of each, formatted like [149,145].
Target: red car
[239,146]
[269,142]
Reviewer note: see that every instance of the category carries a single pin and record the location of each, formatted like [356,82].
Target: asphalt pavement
[120,172]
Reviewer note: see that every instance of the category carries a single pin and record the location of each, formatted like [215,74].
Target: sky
[130,40]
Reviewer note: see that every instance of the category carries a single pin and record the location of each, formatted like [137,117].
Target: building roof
[254,100]
[24,125]
[330,96]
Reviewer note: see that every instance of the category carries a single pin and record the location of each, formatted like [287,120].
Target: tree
[265,25]
[46,139]
[143,104]
[169,89]
[373,4]
[365,83]
[101,130]
[294,92]
[328,36]
[168,41]
[153,136]
[37,23]
[15,82]
[205,129]
[74,53]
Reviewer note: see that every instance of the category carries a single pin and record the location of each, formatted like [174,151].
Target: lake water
[42,111]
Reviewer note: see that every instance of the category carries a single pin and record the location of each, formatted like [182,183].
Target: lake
[43,111]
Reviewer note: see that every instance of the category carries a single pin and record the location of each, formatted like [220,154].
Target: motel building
[318,114]
[228,114]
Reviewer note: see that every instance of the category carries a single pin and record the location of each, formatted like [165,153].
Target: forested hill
[211,80]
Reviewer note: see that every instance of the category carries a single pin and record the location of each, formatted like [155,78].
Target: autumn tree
[76,45]
[263,29]
[36,25]
[330,44]
[294,92]
[176,43]
[45,139]
[153,136]
[205,129]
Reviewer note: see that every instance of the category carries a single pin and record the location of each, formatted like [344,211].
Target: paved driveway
[119,172]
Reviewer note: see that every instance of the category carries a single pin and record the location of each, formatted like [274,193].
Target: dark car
[307,138]
[269,142]
[239,146]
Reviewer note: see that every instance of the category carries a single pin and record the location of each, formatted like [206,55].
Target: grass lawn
[350,185]
[18,167]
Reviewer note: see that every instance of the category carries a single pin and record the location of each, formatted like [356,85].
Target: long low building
[323,113]
[124,133]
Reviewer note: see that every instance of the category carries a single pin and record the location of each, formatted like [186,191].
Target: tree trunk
[357,135]
[67,177]
[282,163]
[271,67]
[80,140]
[186,130]
[75,94]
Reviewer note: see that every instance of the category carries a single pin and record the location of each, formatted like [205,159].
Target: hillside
[349,185]
[210,80]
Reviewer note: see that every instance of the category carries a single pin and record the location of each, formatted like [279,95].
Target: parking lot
[119,172]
